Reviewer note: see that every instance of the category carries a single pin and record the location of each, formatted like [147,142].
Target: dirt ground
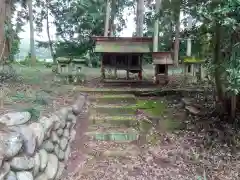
[204,148]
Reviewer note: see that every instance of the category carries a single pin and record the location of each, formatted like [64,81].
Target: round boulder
[52,166]
[24,175]
[11,142]
[15,118]
[43,159]
[48,146]
[22,162]
[4,170]
[37,163]
[37,129]
[11,176]
[29,139]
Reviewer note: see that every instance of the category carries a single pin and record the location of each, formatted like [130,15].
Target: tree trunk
[49,38]
[177,34]
[5,17]
[217,63]
[107,17]
[156,26]
[140,18]
[113,13]
[32,47]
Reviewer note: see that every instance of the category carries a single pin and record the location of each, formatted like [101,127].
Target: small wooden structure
[63,64]
[122,53]
[77,64]
[161,61]
[193,67]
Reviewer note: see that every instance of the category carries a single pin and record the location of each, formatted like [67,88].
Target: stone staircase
[112,117]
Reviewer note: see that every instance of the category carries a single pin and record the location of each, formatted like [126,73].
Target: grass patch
[153,108]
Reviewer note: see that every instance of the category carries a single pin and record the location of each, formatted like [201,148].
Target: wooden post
[129,58]
[115,65]
[102,68]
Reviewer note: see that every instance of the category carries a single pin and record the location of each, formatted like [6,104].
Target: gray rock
[66,133]
[11,176]
[63,143]
[42,176]
[54,137]
[52,166]
[55,118]
[1,155]
[61,168]
[60,132]
[48,146]
[11,142]
[78,106]
[71,117]
[68,125]
[61,155]
[47,124]
[24,175]
[57,125]
[56,149]
[72,135]
[29,139]
[67,153]
[43,159]
[22,162]
[37,129]
[4,170]
[37,164]
[15,118]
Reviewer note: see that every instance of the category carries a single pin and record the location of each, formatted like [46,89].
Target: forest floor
[123,136]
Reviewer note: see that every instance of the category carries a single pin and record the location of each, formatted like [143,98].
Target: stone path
[113,146]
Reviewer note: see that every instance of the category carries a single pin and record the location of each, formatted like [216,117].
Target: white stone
[71,117]
[56,149]
[37,129]
[48,146]
[11,176]
[11,142]
[61,168]
[66,133]
[63,143]
[52,166]
[4,170]
[29,139]
[61,155]
[15,118]
[67,153]
[43,158]
[73,135]
[47,124]
[37,164]
[78,106]
[68,125]
[60,132]
[54,137]
[24,175]
[22,162]
[42,176]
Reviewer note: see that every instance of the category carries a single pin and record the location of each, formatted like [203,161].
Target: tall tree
[32,42]
[140,18]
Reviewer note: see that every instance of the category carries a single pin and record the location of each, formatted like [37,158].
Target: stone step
[116,136]
[114,120]
[112,109]
[114,99]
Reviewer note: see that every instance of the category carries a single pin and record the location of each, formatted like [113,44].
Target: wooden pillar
[129,59]
[102,68]
[115,66]
[140,64]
